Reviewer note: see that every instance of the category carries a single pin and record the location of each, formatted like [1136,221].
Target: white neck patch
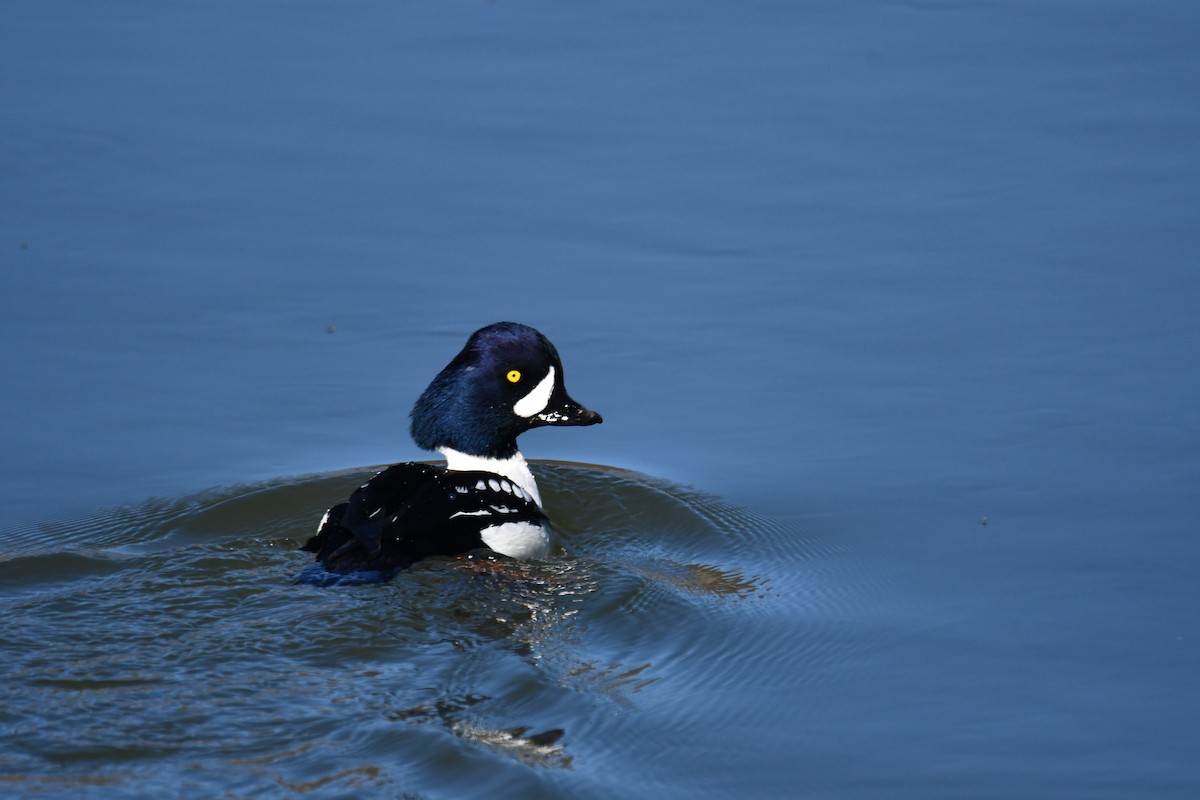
[516,469]
[538,398]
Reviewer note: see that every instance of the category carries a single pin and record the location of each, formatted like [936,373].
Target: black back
[412,511]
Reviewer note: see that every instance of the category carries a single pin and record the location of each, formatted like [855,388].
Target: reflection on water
[706,578]
[535,749]
[174,633]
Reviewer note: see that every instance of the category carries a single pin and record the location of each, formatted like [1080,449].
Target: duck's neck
[514,468]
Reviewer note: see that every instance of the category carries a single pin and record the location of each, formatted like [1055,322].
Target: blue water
[906,291]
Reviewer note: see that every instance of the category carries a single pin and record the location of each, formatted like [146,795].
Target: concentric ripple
[170,645]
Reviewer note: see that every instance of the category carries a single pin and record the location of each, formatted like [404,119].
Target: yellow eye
[513,376]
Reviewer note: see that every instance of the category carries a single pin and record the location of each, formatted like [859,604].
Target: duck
[507,379]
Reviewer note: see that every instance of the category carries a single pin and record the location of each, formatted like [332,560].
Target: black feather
[413,511]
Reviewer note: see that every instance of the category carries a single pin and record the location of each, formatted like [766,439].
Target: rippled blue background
[883,270]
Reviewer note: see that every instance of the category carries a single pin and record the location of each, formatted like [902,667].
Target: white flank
[515,469]
[538,398]
[517,539]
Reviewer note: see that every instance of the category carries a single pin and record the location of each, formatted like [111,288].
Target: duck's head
[507,379]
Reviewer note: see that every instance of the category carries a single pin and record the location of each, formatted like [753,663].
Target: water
[906,291]
[170,646]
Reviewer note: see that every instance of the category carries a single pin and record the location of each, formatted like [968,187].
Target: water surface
[904,291]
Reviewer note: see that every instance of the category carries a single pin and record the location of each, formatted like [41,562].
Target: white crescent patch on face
[538,398]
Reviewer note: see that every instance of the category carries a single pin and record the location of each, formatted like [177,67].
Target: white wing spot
[506,486]
[515,469]
[495,484]
[481,513]
[375,513]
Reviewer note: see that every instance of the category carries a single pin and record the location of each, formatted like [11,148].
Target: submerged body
[507,379]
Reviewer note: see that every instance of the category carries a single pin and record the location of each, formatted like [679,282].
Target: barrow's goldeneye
[507,379]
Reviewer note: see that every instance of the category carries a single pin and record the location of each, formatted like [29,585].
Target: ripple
[145,638]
